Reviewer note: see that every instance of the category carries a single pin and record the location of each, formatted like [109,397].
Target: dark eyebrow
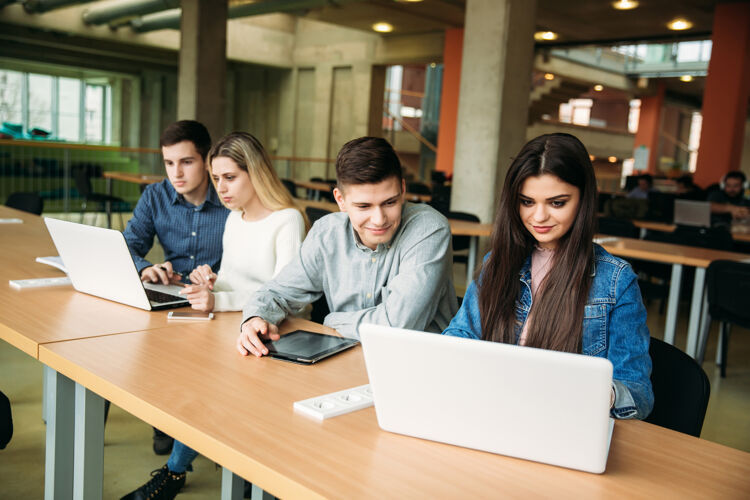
[365,204]
[553,198]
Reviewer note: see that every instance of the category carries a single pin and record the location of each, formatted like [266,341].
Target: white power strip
[336,403]
[39,283]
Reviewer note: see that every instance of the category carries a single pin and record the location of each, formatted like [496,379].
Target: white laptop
[98,263]
[535,404]
[692,213]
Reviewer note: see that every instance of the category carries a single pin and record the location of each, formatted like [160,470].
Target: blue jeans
[181,458]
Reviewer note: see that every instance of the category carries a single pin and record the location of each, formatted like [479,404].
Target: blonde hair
[250,155]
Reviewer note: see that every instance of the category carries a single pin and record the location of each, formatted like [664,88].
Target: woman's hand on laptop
[161,273]
[249,341]
[199,296]
[203,275]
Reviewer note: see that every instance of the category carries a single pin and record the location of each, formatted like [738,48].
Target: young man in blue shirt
[184,212]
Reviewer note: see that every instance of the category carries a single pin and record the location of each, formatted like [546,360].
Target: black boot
[163,485]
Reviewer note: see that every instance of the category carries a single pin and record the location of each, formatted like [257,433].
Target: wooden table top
[133,177]
[238,412]
[665,252]
[35,316]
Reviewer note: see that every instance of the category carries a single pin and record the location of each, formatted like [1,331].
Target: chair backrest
[728,288]
[28,202]
[618,227]
[314,213]
[290,186]
[82,180]
[681,389]
[628,208]
[418,188]
[717,238]
[461,242]
[660,206]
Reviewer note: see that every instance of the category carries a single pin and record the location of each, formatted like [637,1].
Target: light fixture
[686,78]
[545,36]
[679,24]
[592,158]
[382,27]
[549,76]
[612,159]
[625,4]
[598,87]
[432,65]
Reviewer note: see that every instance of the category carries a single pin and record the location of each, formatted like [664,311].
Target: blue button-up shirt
[190,235]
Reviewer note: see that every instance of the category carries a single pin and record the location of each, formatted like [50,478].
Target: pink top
[541,261]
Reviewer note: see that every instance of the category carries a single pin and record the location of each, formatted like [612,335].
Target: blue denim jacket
[614,327]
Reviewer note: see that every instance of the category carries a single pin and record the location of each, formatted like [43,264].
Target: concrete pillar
[446,143]
[725,98]
[321,134]
[362,79]
[498,53]
[377,100]
[649,126]
[201,90]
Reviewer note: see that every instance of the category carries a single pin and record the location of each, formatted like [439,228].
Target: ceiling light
[592,158]
[625,4]
[679,24]
[545,36]
[549,76]
[432,65]
[686,78]
[382,27]
[598,87]
[612,159]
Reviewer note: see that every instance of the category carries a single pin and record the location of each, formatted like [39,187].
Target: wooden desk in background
[239,413]
[678,256]
[644,225]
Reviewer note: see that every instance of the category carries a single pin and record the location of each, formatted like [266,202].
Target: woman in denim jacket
[545,283]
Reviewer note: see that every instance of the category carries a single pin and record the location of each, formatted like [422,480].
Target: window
[577,111]
[69,109]
[634,115]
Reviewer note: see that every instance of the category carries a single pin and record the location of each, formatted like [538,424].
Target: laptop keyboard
[161,297]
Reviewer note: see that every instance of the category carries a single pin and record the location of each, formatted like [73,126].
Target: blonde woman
[262,234]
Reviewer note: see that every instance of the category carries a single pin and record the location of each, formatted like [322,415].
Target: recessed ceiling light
[612,159]
[686,78]
[432,65]
[592,158]
[598,88]
[545,36]
[549,76]
[382,27]
[625,4]
[679,24]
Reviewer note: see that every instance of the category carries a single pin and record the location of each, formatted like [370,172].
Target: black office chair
[418,188]
[28,202]
[717,238]
[314,213]
[461,242]
[728,291]
[660,207]
[681,389]
[290,186]
[325,195]
[82,179]
[618,227]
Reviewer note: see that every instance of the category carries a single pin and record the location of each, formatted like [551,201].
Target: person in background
[380,260]
[644,187]
[729,203]
[687,190]
[184,212]
[545,284]
[263,233]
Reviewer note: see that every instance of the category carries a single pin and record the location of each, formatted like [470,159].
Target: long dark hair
[557,311]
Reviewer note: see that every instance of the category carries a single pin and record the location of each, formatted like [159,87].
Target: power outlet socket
[336,403]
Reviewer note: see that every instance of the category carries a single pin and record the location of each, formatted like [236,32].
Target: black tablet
[307,348]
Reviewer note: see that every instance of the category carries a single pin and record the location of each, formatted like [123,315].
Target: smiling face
[548,207]
[233,184]
[374,209]
[733,187]
[186,171]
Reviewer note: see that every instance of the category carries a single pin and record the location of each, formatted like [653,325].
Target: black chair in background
[290,186]
[681,389]
[441,199]
[618,227]
[418,188]
[660,207]
[461,242]
[28,202]
[716,238]
[82,178]
[325,195]
[314,213]
[728,290]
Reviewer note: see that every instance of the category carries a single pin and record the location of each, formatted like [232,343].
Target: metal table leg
[232,485]
[58,463]
[673,303]
[696,306]
[88,467]
[472,260]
